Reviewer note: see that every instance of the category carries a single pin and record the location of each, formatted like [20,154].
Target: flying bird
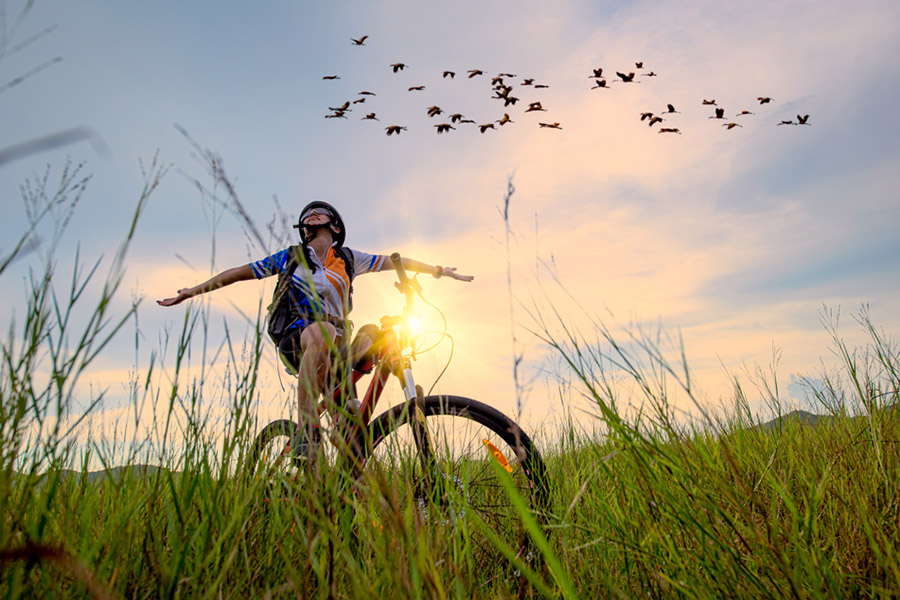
[598,73]
[508,75]
[398,67]
[764,100]
[527,81]
[626,78]
[539,86]
[502,91]
[505,119]
[639,65]
[442,127]
[720,114]
[360,42]
[434,110]
[731,125]
[342,107]
[392,129]
[370,117]
[449,74]
[654,121]
[365,93]
[743,112]
[338,114]
[646,115]
[498,80]
[417,88]
[709,102]
[473,72]
[456,117]
[330,77]
[485,127]
[535,106]
[650,74]
[550,125]
[787,123]
[670,108]
[802,120]
[601,83]
[669,130]
[359,101]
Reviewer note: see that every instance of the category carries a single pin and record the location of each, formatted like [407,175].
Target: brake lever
[415,285]
[412,284]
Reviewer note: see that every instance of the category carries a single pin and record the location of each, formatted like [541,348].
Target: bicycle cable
[443,335]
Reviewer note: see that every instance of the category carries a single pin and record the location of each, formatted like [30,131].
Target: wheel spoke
[468,441]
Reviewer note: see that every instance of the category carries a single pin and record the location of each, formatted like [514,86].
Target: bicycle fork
[415,400]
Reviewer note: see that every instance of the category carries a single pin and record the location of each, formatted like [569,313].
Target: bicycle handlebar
[409,287]
[401,272]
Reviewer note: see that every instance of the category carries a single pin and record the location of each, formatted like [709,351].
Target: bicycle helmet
[336,220]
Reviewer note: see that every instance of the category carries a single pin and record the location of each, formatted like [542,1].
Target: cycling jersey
[323,292]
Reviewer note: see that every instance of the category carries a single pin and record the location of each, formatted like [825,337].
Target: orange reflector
[498,456]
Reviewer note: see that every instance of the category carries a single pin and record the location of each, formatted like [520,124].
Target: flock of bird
[504,90]
[502,86]
[718,114]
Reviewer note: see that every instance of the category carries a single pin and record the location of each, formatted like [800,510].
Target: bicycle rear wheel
[274,450]
[457,476]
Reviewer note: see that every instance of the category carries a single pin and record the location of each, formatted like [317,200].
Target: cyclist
[320,289]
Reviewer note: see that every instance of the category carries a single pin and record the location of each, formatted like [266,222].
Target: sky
[739,242]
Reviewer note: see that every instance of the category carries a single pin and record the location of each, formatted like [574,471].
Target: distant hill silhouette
[802,416]
[114,473]
[808,418]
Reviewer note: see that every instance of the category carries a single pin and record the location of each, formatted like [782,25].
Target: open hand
[451,272]
[183,294]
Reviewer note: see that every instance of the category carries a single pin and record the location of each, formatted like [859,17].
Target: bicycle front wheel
[454,475]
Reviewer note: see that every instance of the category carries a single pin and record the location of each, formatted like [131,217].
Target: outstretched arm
[436,270]
[224,278]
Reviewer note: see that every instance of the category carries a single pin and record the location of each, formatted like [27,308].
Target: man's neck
[321,243]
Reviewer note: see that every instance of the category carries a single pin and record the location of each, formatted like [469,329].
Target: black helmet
[335,219]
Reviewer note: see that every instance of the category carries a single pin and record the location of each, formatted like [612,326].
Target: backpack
[283,310]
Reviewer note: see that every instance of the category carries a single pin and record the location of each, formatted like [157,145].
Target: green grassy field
[787,509]
[727,507]
[795,511]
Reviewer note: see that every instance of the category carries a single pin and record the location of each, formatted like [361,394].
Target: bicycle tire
[273,442]
[472,479]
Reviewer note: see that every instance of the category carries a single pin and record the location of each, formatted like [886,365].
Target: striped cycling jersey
[325,291]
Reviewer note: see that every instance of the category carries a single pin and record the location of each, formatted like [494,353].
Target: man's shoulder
[291,253]
[272,264]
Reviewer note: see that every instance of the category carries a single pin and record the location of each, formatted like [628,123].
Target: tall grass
[719,507]
[729,506]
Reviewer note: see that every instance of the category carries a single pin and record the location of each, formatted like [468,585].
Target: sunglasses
[312,212]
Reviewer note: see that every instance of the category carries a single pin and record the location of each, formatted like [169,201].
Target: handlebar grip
[398,266]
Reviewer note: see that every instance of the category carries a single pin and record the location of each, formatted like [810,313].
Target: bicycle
[444,444]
